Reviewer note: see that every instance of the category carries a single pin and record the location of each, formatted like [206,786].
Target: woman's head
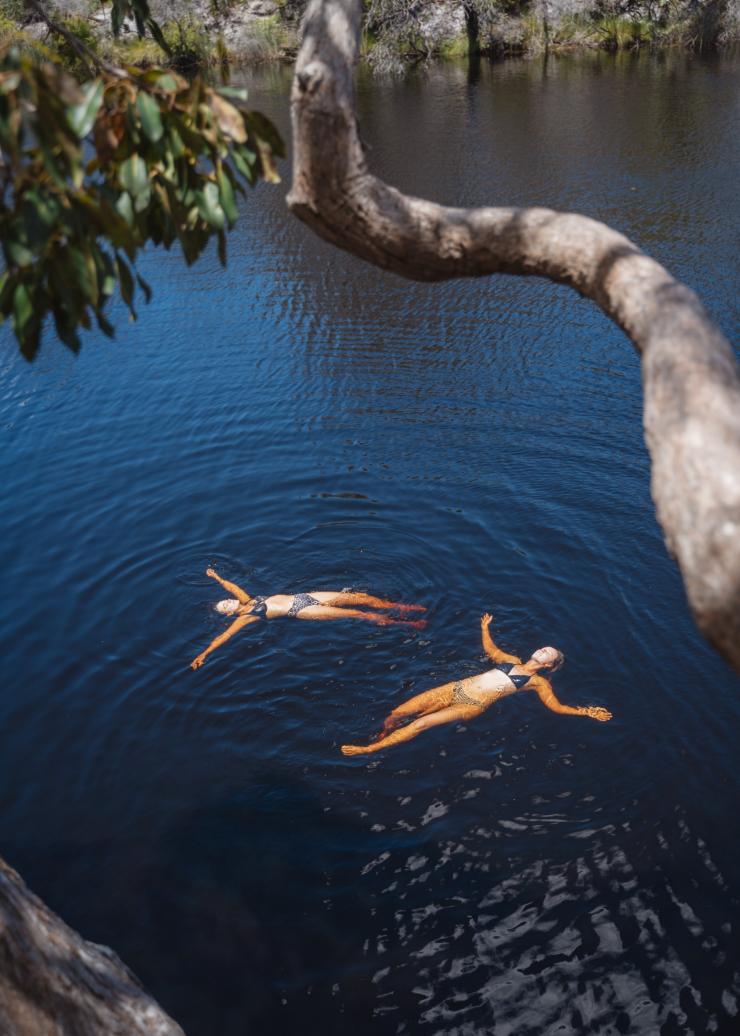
[548,658]
[227,606]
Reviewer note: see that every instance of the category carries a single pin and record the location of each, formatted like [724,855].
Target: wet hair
[559,659]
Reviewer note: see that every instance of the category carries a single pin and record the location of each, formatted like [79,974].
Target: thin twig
[89,58]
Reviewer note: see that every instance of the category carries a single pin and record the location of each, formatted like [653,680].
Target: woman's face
[547,657]
[227,607]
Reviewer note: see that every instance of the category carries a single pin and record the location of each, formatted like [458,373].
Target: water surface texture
[303,421]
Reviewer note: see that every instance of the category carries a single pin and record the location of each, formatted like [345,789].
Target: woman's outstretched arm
[493,652]
[546,695]
[236,591]
[240,623]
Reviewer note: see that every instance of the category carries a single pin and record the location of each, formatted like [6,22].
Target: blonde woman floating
[467,699]
[319,604]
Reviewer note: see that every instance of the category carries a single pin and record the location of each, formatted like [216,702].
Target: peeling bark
[690,377]
[54,983]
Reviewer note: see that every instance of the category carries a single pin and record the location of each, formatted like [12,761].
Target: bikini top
[258,607]
[518,679]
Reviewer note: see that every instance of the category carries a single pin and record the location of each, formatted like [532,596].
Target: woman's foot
[355,750]
[411,607]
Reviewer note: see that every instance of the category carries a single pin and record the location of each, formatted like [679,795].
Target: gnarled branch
[690,377]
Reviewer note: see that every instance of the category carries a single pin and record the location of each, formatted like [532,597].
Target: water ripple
[303,421]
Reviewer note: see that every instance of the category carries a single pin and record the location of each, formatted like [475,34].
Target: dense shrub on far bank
[406,30]
[396,32]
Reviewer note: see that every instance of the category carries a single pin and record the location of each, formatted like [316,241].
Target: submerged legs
[320,612]
[353,597]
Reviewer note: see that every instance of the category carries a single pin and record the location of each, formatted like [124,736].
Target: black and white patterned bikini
[301,601]
[459,697]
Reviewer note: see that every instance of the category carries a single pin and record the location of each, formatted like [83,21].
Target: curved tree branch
[690,377]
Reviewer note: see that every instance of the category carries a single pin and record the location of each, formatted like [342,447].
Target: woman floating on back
[318,605]
[467,699]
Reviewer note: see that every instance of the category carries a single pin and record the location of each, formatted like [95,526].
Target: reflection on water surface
[305,421]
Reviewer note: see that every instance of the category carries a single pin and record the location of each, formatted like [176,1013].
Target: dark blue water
[303,421]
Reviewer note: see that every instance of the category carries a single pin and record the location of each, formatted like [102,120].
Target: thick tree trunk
[54,983]
[690,377]
[472,28]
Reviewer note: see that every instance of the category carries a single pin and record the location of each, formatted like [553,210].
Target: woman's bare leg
[352,597]
[236,591]
[321,612]
[421,704]
[452,714]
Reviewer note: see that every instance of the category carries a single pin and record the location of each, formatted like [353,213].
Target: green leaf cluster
[90,174]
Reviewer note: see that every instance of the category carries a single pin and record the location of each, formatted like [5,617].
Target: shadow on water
[236,874]
[227,884]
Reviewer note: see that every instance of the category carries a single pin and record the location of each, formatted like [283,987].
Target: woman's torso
[486,687]
[277,605]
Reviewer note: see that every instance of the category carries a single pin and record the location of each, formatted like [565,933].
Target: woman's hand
[210,572]
[485,621]
[596,712]
[198,662]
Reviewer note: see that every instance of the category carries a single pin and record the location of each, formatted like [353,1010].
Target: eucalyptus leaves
[91,173]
